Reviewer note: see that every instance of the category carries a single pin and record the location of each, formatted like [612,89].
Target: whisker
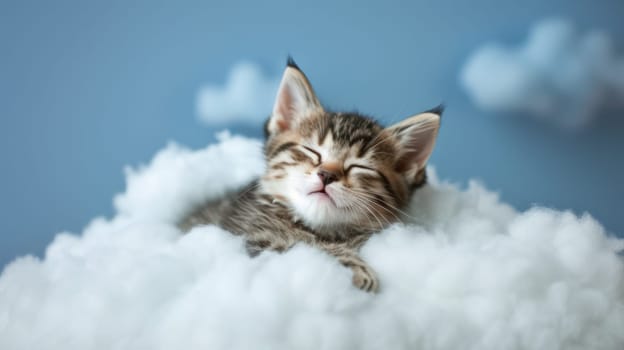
[360,205]
[375,207]
[383,205]
[387,208]
[364,202]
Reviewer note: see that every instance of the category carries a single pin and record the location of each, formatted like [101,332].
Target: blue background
[86,88]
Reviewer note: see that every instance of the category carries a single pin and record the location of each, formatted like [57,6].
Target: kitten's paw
[366,280]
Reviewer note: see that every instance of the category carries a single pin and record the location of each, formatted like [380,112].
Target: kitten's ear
[416,137]
[295,101]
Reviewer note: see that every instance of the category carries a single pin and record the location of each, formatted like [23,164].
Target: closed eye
[318,155]
[360,167]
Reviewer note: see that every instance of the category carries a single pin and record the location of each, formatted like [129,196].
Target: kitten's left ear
[416,137]
[295,101]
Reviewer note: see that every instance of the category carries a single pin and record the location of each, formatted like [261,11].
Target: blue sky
[86,89]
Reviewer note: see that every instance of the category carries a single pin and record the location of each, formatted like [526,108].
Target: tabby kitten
[331,181]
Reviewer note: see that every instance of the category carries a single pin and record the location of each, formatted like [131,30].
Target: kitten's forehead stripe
[323,130]
[349,129]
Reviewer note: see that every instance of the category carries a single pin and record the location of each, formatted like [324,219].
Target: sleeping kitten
[332,179]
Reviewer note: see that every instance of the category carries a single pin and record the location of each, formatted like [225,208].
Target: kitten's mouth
[323,195]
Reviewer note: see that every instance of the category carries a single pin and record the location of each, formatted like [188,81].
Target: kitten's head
[342,170]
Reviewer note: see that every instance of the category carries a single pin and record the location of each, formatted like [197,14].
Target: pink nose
[327,177]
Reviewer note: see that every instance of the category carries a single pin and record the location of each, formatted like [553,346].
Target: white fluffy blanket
[469,273]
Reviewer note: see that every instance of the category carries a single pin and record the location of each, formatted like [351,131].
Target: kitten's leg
[257,243]
[364,276]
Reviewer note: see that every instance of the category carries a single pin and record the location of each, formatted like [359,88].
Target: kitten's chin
[318,210]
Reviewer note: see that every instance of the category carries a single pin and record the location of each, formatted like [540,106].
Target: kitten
[331,181]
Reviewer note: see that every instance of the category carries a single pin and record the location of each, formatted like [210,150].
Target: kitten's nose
[327,177]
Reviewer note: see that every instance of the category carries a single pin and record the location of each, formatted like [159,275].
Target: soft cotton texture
[468,272]
[559,74]
[247,96]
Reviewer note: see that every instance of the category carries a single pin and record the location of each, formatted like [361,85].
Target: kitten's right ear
[295,101]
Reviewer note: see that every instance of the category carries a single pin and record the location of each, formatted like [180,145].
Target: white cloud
[469,273]
[558,74]
[247,96]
